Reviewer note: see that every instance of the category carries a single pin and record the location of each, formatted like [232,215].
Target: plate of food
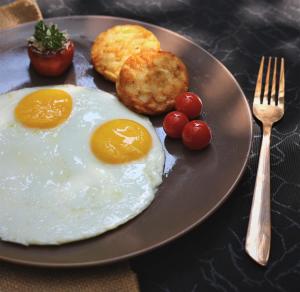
[116,137]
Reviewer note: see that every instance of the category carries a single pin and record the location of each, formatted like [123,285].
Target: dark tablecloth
[212,256]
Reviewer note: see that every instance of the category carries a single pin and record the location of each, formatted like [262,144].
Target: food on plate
[196,135]
[50,50]
[114,135]
[189,103]
[150,81]
[174,123]
[55,185]
[111,48]
[44,108]
[147,79]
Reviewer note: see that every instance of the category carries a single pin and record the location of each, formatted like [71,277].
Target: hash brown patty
[111,48]
[150,81]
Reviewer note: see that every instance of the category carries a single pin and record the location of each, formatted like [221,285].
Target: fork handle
[258,239]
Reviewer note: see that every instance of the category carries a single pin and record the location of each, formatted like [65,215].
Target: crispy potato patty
[149,81]
[112,47]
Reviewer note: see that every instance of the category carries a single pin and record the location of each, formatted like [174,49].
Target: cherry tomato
[173,124]
[51,64]
[189,103]
[196,135]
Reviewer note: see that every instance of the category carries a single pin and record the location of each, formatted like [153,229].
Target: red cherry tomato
[52,64]
[173,124]
[196,135]
[189,103]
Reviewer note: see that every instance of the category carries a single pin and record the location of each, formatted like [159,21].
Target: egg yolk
[44,108]
[120,141]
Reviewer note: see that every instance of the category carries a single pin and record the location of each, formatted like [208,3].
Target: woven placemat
[117,277]
[18,12]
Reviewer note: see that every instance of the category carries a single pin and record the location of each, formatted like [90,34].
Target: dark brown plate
[194,184]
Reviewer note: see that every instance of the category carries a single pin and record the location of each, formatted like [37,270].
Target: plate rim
[190,227]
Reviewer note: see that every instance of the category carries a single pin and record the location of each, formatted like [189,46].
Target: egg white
[53,189]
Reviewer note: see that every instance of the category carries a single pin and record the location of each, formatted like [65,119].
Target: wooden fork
[268,108]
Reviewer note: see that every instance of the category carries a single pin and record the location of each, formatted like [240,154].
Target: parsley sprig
[49,37]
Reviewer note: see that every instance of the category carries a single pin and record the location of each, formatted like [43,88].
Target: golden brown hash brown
[149,81]
[112,47]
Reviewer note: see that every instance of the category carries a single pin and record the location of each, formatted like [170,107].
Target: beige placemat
[117,277]
[18,12]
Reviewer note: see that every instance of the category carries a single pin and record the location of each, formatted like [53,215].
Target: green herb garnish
[49,37]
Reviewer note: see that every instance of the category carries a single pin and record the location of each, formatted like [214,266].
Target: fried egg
[74,163]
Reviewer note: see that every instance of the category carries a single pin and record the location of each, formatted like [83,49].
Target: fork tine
[257,93]
[266,91]
[281,85]
[273,92]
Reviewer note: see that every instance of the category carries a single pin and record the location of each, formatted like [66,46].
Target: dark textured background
[212,256]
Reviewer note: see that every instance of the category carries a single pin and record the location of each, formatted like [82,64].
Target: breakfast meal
[50,50]
[149,82]
[111,48]
[75,163]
